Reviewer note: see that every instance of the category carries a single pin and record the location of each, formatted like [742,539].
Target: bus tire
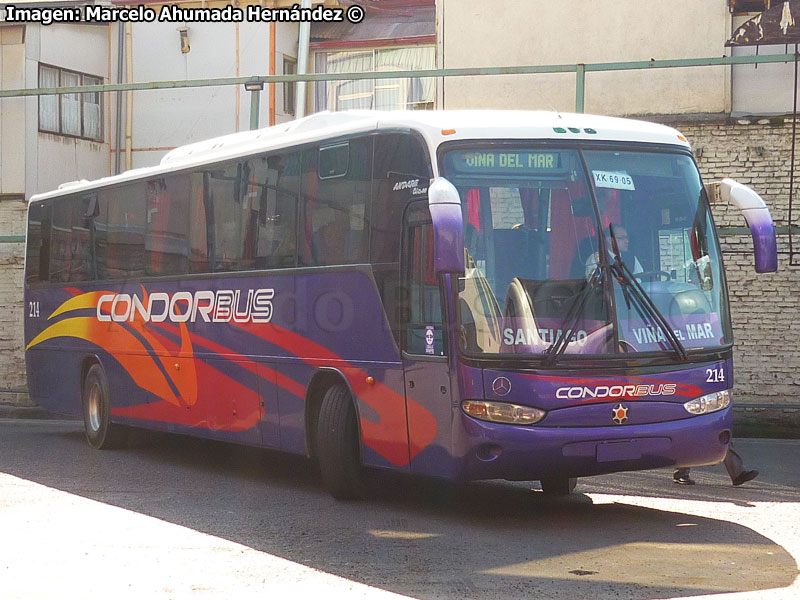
[101,433]
[558,486]
[338,444]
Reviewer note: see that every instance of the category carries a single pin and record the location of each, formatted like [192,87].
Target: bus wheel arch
[321,381]
[101,433]
[336,438]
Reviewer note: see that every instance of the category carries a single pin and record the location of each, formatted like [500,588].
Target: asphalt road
[174,517]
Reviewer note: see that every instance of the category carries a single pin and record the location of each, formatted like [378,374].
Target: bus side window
[71,259]
[272,189]
[198,224]
[423,313]
[400,159]
[122,217]
[37,263]
[335,217]
[167,239]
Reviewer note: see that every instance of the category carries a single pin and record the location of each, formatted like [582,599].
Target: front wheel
[101,433]
[558,486]
[338,444]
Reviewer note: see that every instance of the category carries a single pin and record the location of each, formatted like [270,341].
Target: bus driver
[621,235]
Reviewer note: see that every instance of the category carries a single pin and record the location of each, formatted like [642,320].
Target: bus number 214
[715,375]
[33,309]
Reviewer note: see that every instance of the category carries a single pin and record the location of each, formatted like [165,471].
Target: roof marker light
[559,130]
[448,131]
[681,138]
[590,130]
[574,130]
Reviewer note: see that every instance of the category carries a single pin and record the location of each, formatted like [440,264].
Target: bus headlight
[709,403]
[502,412]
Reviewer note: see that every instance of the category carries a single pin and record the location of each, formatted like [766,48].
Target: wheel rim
[93,406]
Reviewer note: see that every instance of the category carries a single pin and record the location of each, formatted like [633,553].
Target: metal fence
[257,82]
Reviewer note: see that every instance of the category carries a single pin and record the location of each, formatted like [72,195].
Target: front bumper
[485,450]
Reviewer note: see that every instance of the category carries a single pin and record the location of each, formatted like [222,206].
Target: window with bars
[75,115]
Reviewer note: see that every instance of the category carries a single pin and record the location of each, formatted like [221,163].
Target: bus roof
[435,126]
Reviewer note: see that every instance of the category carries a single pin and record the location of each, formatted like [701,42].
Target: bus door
[425,363]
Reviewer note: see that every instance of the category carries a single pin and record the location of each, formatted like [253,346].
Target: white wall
[33,162]
[12,119]
[474,33]
[168,118]
[57,158]
[764,90]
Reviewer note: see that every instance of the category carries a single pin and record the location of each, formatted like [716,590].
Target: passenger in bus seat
[733,464]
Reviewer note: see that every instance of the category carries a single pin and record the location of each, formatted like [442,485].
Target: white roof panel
[435,126]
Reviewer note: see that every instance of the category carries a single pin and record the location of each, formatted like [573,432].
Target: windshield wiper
[627,278]
[574,314]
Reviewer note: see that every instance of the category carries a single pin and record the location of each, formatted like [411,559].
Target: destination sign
[504,162]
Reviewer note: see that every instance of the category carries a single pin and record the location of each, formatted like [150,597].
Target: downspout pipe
[302,64]
[118,129]
[129,95]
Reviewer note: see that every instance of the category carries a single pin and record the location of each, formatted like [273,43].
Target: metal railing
[580,70]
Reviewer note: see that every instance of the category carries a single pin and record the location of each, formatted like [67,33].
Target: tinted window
[335,219]
[423,306]
[271,202]
[167,226]
[401,173]
[227,216]
[38,251]
[120,227]
[334,161]
[72,238]
[200,226]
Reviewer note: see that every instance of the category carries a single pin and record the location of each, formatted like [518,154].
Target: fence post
[580,86]
[254,87]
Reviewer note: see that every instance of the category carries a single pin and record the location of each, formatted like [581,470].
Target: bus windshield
[586,252]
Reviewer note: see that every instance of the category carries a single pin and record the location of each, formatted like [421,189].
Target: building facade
[48,140]
[738,120]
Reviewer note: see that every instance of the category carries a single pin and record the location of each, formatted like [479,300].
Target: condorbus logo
[616,391]
[221,306]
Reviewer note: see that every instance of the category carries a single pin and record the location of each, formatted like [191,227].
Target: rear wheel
[558,486]
[100,432]
[338,444]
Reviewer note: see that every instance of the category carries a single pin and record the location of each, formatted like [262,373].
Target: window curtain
[353,94]
[91,110]
[417,92]
[70,105]
[48,105]
[382,94]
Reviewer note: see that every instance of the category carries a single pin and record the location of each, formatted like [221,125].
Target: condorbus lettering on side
[221,306]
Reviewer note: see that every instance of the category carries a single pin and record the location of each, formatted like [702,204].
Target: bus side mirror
[756,215]
[448,227]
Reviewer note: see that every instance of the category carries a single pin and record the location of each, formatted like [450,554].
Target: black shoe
[745,477]
[684,480]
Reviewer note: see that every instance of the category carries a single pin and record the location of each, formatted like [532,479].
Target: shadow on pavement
[417,537]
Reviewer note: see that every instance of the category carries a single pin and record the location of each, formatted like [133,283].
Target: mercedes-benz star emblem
[620,414]
[501,386]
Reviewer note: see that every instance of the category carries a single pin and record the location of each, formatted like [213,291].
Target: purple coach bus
[467,295]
